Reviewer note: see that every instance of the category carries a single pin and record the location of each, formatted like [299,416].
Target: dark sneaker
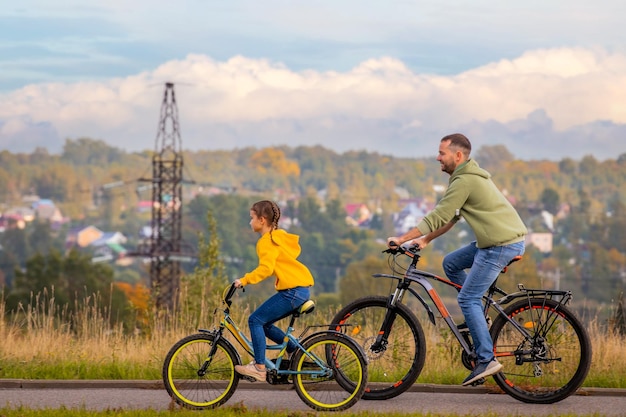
[483,370]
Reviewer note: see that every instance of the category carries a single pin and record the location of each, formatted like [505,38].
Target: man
[499,233]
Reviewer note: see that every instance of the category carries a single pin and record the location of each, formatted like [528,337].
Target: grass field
[36,344]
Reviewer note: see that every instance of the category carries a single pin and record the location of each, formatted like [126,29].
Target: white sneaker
[252,371]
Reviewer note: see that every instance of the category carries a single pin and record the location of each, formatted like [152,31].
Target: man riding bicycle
[499,233]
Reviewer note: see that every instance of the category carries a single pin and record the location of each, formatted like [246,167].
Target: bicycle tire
[393,370]
[550,366]
[329,391]
[195,389]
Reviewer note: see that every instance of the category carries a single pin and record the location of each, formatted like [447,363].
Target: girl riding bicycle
[278,252]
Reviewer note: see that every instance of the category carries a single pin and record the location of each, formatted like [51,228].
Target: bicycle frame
[414,275]
[227,323]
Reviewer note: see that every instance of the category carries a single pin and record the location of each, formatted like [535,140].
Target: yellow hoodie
[279,258]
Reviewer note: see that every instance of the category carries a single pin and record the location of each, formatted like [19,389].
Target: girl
[277,251]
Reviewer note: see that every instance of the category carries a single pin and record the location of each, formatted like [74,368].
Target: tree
[15,242]
[550,200]
[41,238]
[568,166]
[85,151]
[494,157]
[588,165]
[207,279]
[619,317]
[232,217]
[358,281]
[71,278]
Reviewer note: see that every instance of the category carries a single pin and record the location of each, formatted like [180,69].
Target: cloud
[548,96]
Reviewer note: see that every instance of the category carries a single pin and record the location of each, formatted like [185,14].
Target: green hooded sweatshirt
[471,194]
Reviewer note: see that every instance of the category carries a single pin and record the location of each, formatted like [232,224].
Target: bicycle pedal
[248,378]
[478,382]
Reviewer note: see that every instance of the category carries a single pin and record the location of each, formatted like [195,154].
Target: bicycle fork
[217,335]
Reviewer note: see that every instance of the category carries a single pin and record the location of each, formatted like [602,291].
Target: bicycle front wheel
[552,362]
[331,372]
[196,379]
[394,365]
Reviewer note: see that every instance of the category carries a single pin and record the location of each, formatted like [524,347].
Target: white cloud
[380,102]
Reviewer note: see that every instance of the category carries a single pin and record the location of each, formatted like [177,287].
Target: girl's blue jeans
[484,267]
[277,307]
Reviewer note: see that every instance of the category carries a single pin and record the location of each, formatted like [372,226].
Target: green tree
[494,158]
[232,217]
[85,151]
[42,238]
[15,242]
[72,278]
[358,281]
[550,200]
[207,279]
[568,166]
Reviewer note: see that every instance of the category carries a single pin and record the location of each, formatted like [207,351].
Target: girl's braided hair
[268,210]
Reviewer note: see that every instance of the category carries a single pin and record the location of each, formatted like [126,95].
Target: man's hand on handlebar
[393,242]
[420,242]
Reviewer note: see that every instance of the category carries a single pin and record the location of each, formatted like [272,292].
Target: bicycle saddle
[305,308]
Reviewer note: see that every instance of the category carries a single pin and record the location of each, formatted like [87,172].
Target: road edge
[158,384]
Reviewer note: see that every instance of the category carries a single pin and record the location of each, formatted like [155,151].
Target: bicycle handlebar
[396,249]
[228,293]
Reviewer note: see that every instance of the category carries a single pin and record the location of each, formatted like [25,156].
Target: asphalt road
[421,398]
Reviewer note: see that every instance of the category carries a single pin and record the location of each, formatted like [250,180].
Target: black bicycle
[545,350]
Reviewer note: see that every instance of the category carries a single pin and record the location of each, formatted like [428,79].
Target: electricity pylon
[164,247]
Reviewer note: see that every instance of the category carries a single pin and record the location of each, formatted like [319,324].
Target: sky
[546,79]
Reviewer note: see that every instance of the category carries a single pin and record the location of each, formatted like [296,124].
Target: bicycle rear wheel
[395,365]
[552,363]
[336,378]
[197,381]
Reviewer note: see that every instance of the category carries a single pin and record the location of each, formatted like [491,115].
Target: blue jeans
[261,322]
[484,266]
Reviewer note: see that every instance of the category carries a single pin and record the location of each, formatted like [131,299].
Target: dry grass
[38,343]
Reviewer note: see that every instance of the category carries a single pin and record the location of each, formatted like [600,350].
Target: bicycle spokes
[548,359]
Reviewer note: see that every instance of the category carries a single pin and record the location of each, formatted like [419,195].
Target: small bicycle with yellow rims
[328,369]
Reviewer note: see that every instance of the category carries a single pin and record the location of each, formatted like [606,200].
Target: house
[358,214]
[109,248]
[144,206]
[408,217]
[25,214]
[82,236]
[46,210]
[542,241]
[107,238]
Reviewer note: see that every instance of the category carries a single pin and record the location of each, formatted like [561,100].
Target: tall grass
[41,341]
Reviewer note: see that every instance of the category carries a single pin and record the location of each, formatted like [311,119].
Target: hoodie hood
[469,167]
[287,241]
[472,194]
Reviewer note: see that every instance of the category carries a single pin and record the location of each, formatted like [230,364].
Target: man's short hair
[460,141]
